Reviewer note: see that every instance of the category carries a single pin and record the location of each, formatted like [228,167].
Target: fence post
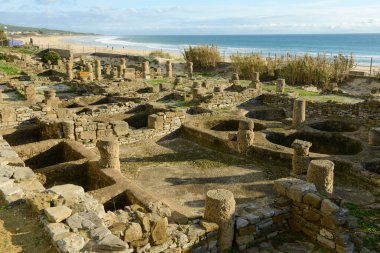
[370,67]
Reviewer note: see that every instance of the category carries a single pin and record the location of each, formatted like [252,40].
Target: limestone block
[58,213]
[99,233]
[23,173]
[133,232]
[71,244]
[56,230]
[120,128]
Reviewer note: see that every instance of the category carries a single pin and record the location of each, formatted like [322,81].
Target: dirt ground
[181,172]
[20,231]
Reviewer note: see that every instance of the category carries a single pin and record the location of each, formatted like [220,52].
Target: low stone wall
[369,109]
[228,99]
[85,130]
[14,116]
[316,216]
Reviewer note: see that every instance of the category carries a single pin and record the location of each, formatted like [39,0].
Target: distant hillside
[24,29]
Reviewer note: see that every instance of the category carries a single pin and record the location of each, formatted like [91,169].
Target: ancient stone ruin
[113,155]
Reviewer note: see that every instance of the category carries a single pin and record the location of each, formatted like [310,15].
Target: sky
[212,17]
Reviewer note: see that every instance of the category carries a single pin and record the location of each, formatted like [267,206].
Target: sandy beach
[62,42]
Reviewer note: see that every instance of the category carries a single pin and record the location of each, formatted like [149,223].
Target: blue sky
[124,17]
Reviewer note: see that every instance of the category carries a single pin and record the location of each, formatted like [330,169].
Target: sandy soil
[20,231]
[181,172]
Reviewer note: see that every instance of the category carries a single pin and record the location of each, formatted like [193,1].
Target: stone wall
[369,109]
[228,99]
[87,130]
[300,208]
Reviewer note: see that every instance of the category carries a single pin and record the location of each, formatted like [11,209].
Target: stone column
[220,209]
[374,136]
[256,84]
[301,159]
[69,71]
[98,70]
[280,86]
[169,69]
[190,69]
[30,93]
[68,129]
[245,135]
[178,81]
[108,70]
[146,70]
[299,111]
[235,79]
[109,153]
[321,174]
[123,63]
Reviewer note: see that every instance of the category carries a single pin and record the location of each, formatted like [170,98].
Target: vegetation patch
[203,57]
[369,223]
[9,69]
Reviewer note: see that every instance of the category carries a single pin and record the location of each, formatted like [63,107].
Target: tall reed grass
[317,70]
[203,57]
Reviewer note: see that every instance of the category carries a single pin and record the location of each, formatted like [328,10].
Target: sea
[364,47]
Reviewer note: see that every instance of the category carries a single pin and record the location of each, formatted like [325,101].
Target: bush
[245,65]
[51,56]
[203,57]
[159,54]
[319,70]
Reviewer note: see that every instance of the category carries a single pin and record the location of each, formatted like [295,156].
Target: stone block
[313,200]
[58,213]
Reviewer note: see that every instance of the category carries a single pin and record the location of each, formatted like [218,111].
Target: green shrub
[51,56]
[319,70]
[159,54]
[203,57]
[245,65]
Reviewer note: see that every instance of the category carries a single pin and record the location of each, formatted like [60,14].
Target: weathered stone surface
[72,244]
[99,233]
[56,230]
[133,232]
[77,222]
[158,231]
[313,200]
[6,171]
[328,207]
[68,191]
[160,208]
[220,208]
[209,226]
[326,242]
[240,223]
[5,182]
[297,191]
[23,173]
[112,242]
[58,213]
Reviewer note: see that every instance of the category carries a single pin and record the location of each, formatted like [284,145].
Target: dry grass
[159,54]
[203,57]
[297,70]
[319,70]
[245,65]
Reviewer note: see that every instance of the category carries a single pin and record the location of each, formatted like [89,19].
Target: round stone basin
[323,143]
[232,126]
[335,126]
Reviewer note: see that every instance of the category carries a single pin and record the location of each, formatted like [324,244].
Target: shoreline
[62,42]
